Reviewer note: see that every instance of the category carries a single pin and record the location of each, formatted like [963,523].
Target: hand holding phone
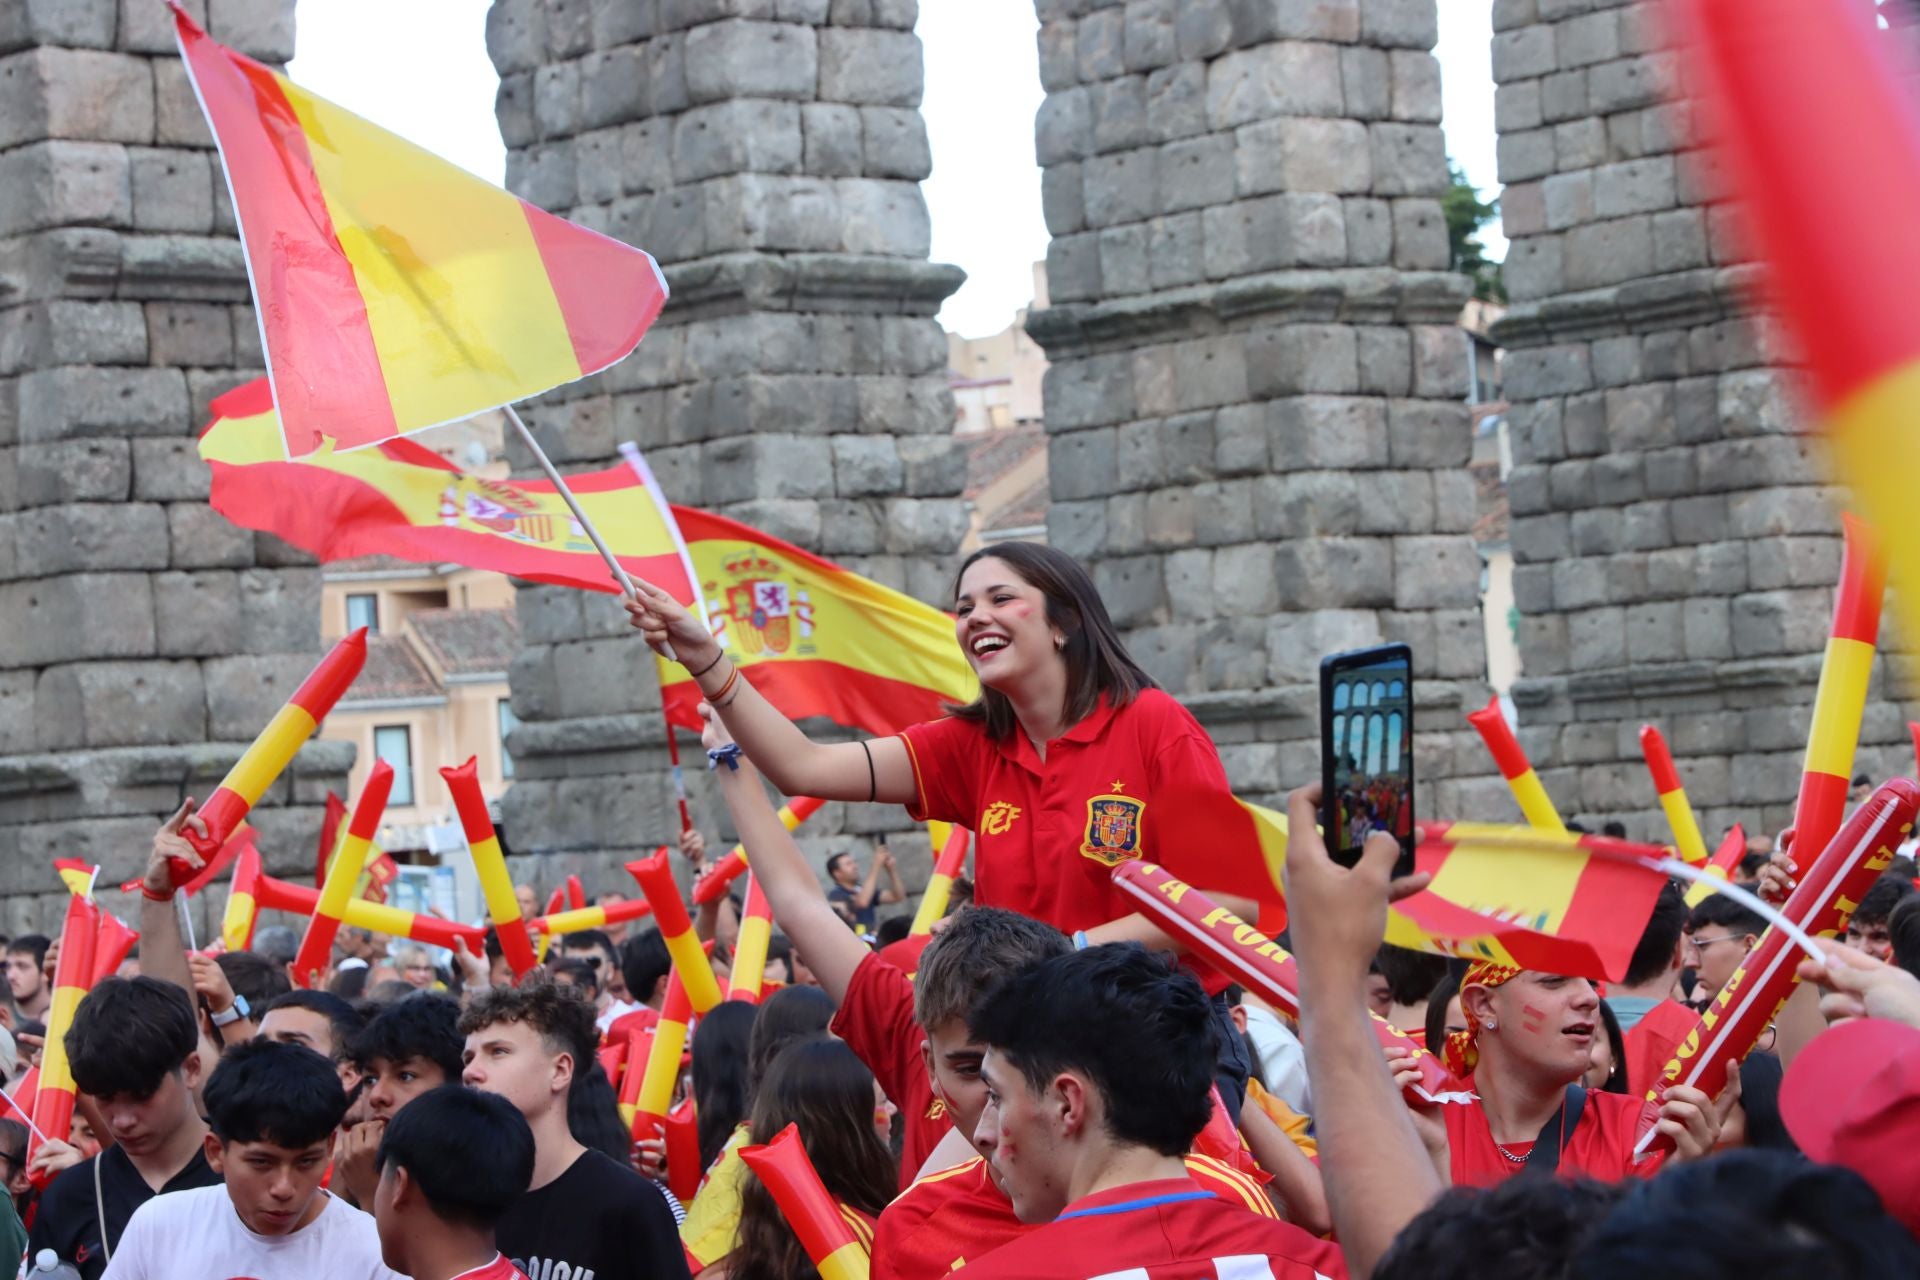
[1366,750]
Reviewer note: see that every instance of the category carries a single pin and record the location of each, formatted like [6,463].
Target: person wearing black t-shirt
[586,1215]
[134,1047]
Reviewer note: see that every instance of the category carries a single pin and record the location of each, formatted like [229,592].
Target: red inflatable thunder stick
[714,883]
[253,892]
[72,975]
[749,970]
[557,922]
[1241,952]
[1687,840]
[683,1151]
[1829,890]
[273,750]
[808,1206]
[1514,766]
[496,886]
[651,1092]
[676,930]
[1841,699]
[316,945]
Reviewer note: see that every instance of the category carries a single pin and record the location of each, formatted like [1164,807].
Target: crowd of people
[1044,1086]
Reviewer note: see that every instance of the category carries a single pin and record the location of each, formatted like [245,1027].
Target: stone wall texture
[1257,396]
[143,639]
[1676,543]
[769,154]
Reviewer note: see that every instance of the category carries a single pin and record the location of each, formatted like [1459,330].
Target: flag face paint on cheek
[1532,1019]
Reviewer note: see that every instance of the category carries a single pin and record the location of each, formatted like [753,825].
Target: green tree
[1466,213]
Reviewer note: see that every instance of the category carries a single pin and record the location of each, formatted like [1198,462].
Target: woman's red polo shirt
[1049,833]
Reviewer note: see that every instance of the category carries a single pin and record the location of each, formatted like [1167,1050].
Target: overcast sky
[420,68]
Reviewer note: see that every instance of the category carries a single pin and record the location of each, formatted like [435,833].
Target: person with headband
[1527,1043]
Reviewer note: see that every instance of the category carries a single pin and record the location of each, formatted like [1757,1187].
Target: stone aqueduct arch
[1257,433]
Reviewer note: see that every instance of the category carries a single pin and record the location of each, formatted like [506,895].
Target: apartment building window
[364,611]
[507,722]
[394,744]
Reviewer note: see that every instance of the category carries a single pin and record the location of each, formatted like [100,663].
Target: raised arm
[163,953]
[832,949]
[1375,1166]
[793,762]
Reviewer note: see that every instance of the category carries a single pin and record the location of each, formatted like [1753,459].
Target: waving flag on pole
[816,639]
[402,499]
[1524,896]
[395,290]
[1819,134]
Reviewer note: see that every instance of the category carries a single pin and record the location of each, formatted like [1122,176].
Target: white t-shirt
[198,1235]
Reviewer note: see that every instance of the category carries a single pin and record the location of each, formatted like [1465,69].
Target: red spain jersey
[1170,1230]
[1652,1041]
[956,1216]
[499,1269]
[1600,1147]
[876,1020]
[1049,833]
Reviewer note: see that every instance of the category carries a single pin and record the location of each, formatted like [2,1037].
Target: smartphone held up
[1366,750]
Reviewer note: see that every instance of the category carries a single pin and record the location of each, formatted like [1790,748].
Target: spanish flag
[395,290]
[1554,901]
[816,639]
[402,499]
[76,875]
[1819,135]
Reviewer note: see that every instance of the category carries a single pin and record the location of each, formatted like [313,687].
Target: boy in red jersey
[1098,1068]
[449,1166]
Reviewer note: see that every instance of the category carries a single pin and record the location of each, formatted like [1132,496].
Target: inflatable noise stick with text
[750,947]
[253,892]
[316,945]
[72,975]
[713,884]
[676,929]
[1239,951]
[273,750]
[1687,840]
[1831,886]
[1514,766]
[933,903]
[808,1206]
[496,886]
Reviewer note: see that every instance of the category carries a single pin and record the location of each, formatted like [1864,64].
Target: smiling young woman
[1055,766]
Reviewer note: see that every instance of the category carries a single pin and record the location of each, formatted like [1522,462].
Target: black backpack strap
[1545,1156]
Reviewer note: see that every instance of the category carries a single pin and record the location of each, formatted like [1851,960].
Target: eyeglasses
[1701,944]
[592,962]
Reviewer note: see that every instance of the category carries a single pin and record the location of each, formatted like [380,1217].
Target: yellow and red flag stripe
[402,499]
[1813,118]
[1514,766]
[496,886]
[676,930]
[836,1250]
[76,874]
[395,290]
[72,976]
[1841,699]
[1673,797]
[272,751]
[814,638]
[1523,896]
[316,945]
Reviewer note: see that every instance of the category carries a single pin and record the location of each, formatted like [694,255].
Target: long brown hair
[821,1086]
[1097,663]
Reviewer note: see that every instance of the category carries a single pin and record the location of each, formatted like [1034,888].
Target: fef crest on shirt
[998,818]
[1113,828]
